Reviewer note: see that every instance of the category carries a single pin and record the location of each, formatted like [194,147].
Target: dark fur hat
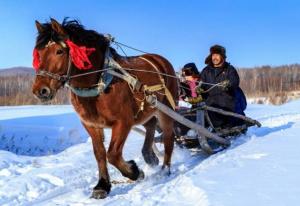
[190,69]
[216,49]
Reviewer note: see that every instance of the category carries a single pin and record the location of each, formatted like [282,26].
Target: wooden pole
[221,111]
[179,118]
[227,113]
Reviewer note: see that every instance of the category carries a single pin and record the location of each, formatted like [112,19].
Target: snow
[46,158]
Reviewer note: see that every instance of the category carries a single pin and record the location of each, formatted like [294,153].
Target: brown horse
[118,107]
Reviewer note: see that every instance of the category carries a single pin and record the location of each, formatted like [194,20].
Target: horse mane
[75,32]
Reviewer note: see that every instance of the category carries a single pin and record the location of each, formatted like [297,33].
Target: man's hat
[216,49]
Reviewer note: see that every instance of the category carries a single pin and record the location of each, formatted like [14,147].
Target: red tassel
[36,59]
[79,55]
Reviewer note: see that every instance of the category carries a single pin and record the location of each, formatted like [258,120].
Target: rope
[154,72]
[175,77]
[87,73]
[119,45]
[124,45]
[213,86]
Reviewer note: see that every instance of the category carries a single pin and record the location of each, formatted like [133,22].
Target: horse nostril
[45,92]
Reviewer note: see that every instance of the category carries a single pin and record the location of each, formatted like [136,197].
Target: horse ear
[39,26]
[57,27]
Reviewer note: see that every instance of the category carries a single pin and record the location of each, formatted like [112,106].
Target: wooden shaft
[179,118]
[221,111]
[227,113]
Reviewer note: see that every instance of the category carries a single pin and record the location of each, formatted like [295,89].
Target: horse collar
[103,83]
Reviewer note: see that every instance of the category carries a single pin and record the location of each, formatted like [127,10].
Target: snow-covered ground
[46,158]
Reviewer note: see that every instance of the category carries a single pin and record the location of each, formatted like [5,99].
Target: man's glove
[199,90]
[225,84]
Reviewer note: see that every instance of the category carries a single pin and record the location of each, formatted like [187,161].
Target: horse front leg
[102,189]
[120,131]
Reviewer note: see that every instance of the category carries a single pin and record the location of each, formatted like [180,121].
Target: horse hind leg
[120,131]
[166,124]
[147,151]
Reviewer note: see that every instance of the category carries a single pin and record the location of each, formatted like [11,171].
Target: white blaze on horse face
[61,43]
[50,43]
[57,54]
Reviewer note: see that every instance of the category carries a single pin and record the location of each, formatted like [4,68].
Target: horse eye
[59,52]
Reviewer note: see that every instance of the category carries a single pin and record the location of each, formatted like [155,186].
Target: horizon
[254,33]
[237,67]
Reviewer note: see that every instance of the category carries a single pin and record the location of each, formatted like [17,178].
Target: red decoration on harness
[79,55]
[36,59]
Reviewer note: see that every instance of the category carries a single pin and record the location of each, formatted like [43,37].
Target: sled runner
[188,138]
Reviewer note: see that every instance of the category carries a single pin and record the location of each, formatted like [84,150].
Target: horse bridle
[93,90]
[61,78]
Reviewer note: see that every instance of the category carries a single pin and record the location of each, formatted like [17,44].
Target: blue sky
[255,32]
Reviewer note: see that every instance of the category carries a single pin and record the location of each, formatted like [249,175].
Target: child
[191,78]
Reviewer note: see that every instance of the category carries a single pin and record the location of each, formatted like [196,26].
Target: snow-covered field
[46,158]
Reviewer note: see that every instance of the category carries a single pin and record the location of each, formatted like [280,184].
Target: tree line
[16,90]
[271,82]
[265,81]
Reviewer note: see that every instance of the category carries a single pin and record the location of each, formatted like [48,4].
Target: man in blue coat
[219,71]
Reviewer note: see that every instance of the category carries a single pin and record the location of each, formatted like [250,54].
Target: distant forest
[277,84]
[265,81]
[16,90]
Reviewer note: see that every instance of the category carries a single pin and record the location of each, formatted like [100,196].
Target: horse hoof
[99,194]
[166,170]
[141,175]
[137,174]
[151,159]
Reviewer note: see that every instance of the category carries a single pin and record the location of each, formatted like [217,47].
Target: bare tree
[270,81]
[16,90]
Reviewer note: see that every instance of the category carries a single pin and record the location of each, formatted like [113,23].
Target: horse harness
[109,71]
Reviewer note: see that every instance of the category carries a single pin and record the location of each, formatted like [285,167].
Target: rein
[107,73]
[62,78]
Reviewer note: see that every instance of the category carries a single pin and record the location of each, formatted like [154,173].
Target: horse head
[63,50]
